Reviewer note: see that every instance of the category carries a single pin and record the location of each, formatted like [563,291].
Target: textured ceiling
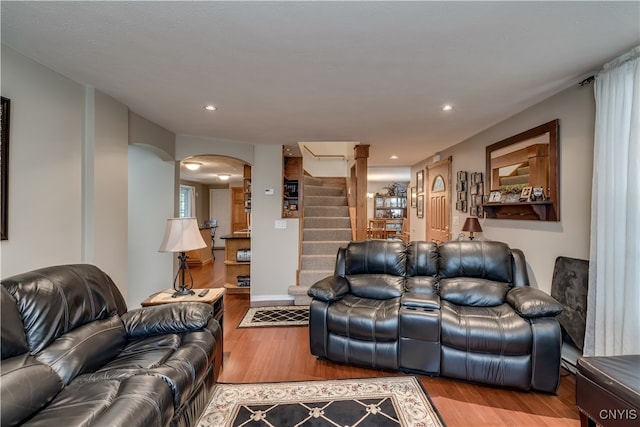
[283,72]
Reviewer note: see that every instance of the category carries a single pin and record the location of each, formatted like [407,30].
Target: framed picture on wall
[420,181]
[420,201]
[4,166]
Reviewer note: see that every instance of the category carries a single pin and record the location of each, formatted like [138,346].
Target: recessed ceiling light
[224,176]
[447,107]
[192,166]
[210,108]
[394,157]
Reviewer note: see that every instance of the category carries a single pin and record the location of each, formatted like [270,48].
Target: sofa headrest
[376,257]
[58,299]
[422,259]
[481,259]
[14,342]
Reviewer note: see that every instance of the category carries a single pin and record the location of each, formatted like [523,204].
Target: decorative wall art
[420,212]
[4,167]
[461,188]
[476,190]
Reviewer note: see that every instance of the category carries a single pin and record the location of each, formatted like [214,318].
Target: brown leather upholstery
[73,355]
[608,390]
[458,309]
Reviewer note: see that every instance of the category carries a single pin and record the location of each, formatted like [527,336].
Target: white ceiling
[377,73]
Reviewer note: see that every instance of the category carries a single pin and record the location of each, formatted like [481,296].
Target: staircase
[326,227]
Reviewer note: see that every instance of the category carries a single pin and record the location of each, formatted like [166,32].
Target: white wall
[67,172]
[108,246]
[220,209]
[541,241]
[274,252]
[151,202]
[44,166]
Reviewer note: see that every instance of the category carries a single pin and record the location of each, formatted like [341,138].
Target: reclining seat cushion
[496,330]
[138,401]
[364,318]
[181,360]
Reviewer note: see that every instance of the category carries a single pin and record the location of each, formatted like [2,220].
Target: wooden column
[361,153]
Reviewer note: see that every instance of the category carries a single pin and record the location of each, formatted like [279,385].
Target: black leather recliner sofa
[72,355]
[461,309]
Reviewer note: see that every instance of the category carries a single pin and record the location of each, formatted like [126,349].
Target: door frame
[448,161]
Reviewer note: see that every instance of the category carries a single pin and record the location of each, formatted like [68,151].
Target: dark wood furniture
[608,391]
[235,266]
[534,152]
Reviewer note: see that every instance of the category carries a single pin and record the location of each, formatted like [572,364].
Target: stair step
[318,262]
[326,211]
[317,190]
[324,234]
[299,294]
[310,180]
[327,222]
[325,200]
[309,277]
[323,247]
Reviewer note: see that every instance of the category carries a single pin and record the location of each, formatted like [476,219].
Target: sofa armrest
[329,289]
[167,319]
[531,302]
[419,300]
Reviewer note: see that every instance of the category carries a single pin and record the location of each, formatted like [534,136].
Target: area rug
[368,402]
[283,315]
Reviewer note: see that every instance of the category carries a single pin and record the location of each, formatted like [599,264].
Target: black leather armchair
[73,355]
[459,309]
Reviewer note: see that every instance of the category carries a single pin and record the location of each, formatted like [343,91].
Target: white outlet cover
[280,224]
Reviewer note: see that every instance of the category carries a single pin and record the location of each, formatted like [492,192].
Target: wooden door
[439,201]
[238,213]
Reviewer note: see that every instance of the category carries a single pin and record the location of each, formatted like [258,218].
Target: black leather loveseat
[461,309]
[72,355]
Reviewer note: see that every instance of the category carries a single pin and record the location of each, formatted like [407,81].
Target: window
[187,201]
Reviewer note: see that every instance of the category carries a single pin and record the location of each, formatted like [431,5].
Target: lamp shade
[472,224]
[181,235]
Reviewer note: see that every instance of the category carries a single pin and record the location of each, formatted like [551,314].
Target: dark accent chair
[72,355]
[459,309]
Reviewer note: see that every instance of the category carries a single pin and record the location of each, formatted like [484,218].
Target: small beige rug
[368,402]
[281,315]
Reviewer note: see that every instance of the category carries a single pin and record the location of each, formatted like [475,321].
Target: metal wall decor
[461,191]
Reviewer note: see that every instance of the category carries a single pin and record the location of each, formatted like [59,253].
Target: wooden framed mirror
[523,177]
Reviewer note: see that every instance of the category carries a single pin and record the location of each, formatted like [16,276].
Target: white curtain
[613,307]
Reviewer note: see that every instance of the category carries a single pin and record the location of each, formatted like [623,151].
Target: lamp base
[182,289]
[182,292]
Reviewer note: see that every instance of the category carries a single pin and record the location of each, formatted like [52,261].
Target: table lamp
[472,224]
[182,235]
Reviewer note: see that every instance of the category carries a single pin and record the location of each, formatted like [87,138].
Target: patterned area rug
[283,315]
[368,402]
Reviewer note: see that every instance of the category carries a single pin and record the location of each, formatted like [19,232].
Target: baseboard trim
[268,300]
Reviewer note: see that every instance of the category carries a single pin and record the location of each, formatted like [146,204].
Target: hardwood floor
[282,354]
